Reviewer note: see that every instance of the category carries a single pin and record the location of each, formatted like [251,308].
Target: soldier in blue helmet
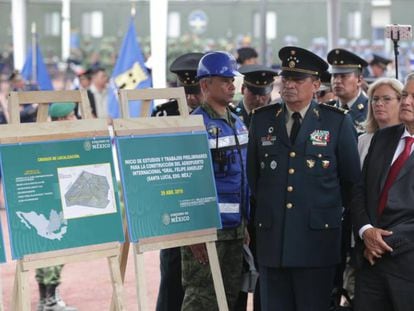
[302,161]
[227,137]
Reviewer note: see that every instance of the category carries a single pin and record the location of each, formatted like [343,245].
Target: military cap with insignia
[301,63]
[258,78]
[344,61]
[185,67]
[380,61]
[246,53]
[325,81]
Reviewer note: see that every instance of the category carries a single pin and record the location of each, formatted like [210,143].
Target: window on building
[355,25]
[92,24]
[174,23]
[52,24]
[271,25]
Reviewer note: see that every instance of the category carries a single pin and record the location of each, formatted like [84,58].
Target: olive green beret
[60,110]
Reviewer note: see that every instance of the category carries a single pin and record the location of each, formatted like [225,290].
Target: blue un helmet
[217,64]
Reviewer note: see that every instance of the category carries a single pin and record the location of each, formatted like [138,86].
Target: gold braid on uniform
[267,107]
[333,108]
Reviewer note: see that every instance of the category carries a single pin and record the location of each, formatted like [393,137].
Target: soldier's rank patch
[268,140]
[273,165]
[325,163]
[310,163]
[320,137]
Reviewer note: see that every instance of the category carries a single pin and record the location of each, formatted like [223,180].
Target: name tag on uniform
[268,140]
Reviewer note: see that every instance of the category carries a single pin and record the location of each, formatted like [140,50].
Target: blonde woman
[384,102]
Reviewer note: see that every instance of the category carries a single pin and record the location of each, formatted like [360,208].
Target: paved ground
[86,285]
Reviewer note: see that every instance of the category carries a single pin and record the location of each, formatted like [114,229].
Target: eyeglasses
[383,99]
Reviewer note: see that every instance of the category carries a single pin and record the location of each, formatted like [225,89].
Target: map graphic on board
[60,194]
[53,228]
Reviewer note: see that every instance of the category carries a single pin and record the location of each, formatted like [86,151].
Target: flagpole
[34,54]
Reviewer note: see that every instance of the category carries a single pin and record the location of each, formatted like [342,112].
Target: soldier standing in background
[171,294]
[48,278]
[302,159]
[256,89]
[347,80]
[185,67]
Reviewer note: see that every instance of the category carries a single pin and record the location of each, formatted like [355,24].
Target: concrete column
[19,32]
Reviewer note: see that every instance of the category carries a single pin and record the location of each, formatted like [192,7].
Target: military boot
[55,303]
[42,297]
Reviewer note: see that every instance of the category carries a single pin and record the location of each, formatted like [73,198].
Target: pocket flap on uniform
[325,218]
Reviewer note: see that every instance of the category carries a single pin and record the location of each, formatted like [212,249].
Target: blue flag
[41,77]
[129,73]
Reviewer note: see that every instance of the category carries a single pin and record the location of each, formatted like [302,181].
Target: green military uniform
[197,279]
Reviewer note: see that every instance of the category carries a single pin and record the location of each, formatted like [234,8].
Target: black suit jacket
[398,215]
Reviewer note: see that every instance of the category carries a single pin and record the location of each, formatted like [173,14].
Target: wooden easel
[31,132]
[162,125]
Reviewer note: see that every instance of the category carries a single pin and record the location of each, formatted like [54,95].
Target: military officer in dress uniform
[302,157]
[185,67]
[256,88]
[171,294]
[347,80]
[377,68]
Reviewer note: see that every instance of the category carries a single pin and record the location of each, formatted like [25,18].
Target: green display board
[168,184]
[60,195]
[2,250]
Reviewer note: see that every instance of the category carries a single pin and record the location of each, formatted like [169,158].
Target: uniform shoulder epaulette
[274,106]
[333,108]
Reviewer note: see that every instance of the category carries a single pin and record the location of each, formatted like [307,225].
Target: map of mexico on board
[60,194]
[168,184]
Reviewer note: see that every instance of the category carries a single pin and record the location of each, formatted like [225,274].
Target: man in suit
[383,216]
[347,80]
[302,156]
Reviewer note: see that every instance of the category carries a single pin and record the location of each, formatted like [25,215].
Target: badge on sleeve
[320,138]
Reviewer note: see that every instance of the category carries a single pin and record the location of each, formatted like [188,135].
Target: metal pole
[263,27]
[18,22]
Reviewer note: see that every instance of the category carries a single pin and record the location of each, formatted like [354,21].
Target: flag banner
[129,73]
[41,77]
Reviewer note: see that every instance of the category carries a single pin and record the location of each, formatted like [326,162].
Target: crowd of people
[312,165]
[324,233]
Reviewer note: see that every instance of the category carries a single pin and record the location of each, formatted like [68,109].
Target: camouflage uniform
[197,280]
[49,275]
